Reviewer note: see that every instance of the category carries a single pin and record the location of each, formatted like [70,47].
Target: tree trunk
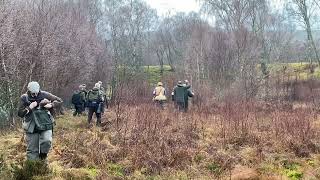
[10,93]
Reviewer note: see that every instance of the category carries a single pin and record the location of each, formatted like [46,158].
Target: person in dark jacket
[79,100]
[180,96]
[38,122]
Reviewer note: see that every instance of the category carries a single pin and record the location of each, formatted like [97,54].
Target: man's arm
[23,106]
[55,100]
[190,94]
[173,94]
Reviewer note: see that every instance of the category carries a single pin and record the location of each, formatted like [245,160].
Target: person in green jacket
[180,96]
[35,106]
[94,104]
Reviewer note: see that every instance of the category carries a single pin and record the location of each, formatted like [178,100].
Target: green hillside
[153,73]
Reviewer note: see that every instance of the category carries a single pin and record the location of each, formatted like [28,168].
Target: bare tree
[52,42]
[303,10]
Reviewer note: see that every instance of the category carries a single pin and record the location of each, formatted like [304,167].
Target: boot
[43,156]
[98,122]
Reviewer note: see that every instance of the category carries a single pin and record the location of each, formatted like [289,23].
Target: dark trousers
[102,108]
[159,104]
[93,110]
[79,108]
[182,106]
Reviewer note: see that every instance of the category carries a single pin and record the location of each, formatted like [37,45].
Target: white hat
[34,87]
[97,85]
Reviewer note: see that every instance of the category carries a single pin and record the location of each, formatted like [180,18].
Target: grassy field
[293,71]
[167,145]
[153,73]
[222,141]
[300,71]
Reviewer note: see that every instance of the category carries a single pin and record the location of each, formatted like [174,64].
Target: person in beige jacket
[159,95]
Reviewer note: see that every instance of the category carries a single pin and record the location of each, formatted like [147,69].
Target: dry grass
[247,140]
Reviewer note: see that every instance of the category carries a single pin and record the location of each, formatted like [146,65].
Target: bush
[214,168]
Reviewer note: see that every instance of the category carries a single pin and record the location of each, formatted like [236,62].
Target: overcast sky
[173,6]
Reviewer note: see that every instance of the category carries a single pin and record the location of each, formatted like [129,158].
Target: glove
[33,105]
[48,106]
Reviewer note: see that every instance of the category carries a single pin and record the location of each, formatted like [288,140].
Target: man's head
[34,88]
[179,82]
[100,83]
[97,86]
[82,87]
[186,82]
[159,84]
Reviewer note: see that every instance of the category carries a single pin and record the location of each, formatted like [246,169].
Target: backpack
[76,98]
[159,94]
[42,117]
[93,98]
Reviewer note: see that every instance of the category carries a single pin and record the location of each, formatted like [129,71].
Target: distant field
[300,71]
[153,73]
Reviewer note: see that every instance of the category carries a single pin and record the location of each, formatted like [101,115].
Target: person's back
[78,100]
[188,94]
[93,97]
[94,100]
[159,95]
[180,96]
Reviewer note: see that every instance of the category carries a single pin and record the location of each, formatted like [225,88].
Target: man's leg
[45,143]
[162,104]
[186,105]
[90,114]
[175,104]
[102,107]
[32,146]
[180,106]
[81,109]
[75,110]
[98,115]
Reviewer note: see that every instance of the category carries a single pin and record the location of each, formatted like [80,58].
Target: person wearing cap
[35,106]
[79,99]
[104,97]
[180,96]
[94,100]
[159,95]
